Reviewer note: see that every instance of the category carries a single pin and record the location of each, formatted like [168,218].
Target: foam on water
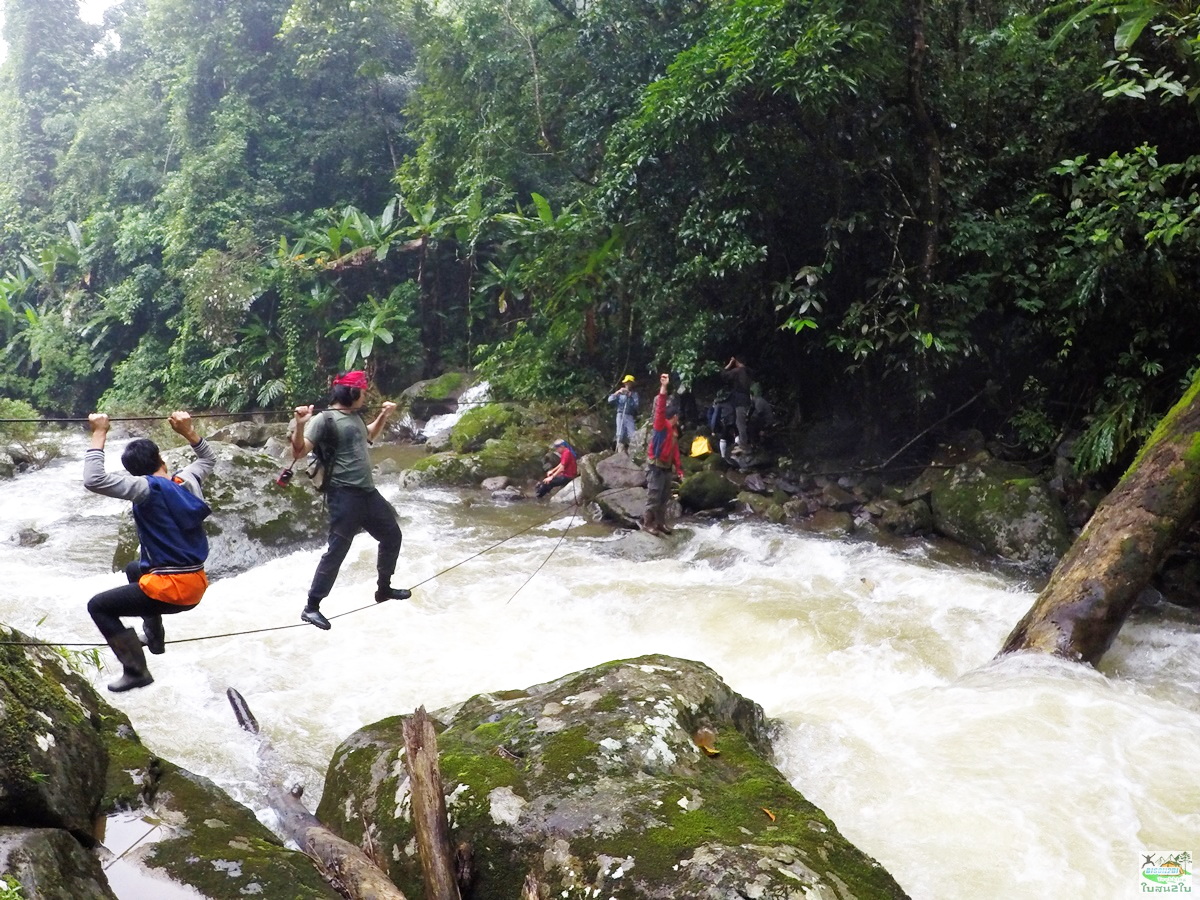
[966,777]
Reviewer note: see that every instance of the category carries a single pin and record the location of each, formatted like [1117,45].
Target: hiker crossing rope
[436,575]
[169,510]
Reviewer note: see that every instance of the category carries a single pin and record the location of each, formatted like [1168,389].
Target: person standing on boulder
[169,512]
[739,378]
[354,502]
[662,461]
[626,399]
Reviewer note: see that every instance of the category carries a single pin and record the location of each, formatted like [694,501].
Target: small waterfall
[473,396]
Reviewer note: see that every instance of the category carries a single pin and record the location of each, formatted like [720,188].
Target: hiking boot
[391,593]
[314,617]
[154,636]
[128,648]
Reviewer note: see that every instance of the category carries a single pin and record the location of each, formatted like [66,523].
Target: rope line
[249,413]
[433,577]
[574,507]
[553,550]
[130,848]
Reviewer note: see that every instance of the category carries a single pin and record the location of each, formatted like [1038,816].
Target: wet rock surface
[68,758]
[599,785]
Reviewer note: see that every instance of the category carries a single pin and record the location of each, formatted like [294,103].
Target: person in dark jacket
[169,512]
[739,378]
[355,504]
[662,461]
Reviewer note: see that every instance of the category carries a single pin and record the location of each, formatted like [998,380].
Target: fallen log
[1080,611]
[343,863]
[429,808]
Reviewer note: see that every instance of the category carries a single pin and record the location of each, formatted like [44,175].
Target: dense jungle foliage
[890,210]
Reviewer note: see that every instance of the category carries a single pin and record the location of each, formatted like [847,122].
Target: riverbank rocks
[68,759]
[707,490]
[254,519]
[52,754]
[632,780]
[435,397]
[1000,508]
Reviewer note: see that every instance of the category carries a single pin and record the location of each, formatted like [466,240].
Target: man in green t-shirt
[354,503]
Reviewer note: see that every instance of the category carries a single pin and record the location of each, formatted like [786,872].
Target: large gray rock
[67,758]
[597,784]
[625,506]
[50,864]
[253,520]
[1001,509]
[52,755]
[620,471]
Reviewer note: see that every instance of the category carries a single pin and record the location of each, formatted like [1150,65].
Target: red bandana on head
[356,379]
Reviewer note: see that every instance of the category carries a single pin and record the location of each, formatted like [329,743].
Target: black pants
[545,487]
[128,600]
[352,510]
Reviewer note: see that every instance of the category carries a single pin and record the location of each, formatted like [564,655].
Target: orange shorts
[180,588]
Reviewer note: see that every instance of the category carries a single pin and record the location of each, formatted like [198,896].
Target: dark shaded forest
[886,209]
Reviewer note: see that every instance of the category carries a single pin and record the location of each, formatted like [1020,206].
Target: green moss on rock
[479,424]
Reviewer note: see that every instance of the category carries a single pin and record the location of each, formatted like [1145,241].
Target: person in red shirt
[563,473]
[662,461]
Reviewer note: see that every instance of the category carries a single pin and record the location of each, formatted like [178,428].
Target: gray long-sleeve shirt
[135,488]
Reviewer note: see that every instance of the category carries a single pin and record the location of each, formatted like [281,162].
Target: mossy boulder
[1002,509]
[513,457]
[52,755]
[253,520]
[479,424]
[597,785]
[906,518]
[435,397]
[52,863]
[443,468]
[67,758]
[707,490]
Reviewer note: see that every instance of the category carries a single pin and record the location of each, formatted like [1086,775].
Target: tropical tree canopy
[885,209]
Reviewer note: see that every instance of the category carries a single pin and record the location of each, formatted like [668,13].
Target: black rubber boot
[391,593]
[128,648]
[312,615]
[650,523]
[154,636]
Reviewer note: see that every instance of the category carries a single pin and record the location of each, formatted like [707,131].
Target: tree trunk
[351,870]
[429,807]
[344,864]
[1078,614]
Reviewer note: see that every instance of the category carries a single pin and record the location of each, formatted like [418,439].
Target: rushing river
[964,776]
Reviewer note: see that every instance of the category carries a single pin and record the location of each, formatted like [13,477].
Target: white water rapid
[965,777]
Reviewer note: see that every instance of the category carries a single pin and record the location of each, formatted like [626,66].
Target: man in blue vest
[169,511]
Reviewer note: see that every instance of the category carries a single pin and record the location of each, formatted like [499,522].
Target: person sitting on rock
[169,512]
[563,473]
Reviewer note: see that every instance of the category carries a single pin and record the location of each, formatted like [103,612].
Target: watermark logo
[1166,872]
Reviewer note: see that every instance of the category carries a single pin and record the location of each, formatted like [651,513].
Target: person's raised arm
[380,420]
[301,446]
[206,458]
[99,424]
[96,479]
